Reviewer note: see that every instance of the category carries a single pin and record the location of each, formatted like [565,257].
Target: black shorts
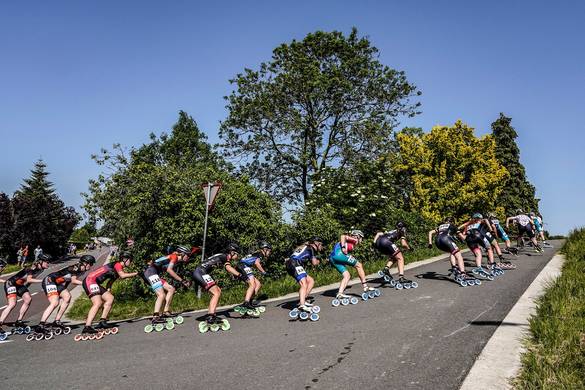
[476,239]
[51,288]
[526,230]
[13,290]
[386,246]
[246,272]
[446,244]
[203,279]
[295,269]
[92,288]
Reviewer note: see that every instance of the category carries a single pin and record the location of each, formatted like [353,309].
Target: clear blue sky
[76,76]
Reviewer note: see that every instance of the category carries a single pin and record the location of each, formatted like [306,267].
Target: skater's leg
[400,260]
[65,299]
[490,254]
[250,290]
[478,256]
[26,299]
[460,262]
[53,303]
[96,303]
[160,298]
[310,285]
[215,292]
[344,281]
[108,299]
[257,286]
[170,291]
[8,309]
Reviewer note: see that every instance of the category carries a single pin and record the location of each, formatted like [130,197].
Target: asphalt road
[39,301]
[425,338]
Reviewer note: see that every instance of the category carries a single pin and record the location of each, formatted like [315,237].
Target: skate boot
[88,333]
[369,292]
[483,273]
[58,328]
[495,270]
[106,328]
[405,283]
[21,328]
[341,299]
[387,276]
[3,334]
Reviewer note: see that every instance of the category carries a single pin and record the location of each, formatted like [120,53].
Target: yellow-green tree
[449,171]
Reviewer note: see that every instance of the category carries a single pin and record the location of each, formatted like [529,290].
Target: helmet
[519,211]
[265,245]
[477,215]
[532,214]
[184,249]
[125,255]
[448,220]
[400,225]
[44,257]
[87,259]
[316,239]
[233,247]
[357,233]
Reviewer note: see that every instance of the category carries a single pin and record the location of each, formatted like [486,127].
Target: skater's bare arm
[431,234]
[343,242]
[508,221]
[232,270]
[173,274]
[463,227]
[258,265]
[124,275]
[315,261]
[404,243]
[74,280]
[30,279]
[377,236]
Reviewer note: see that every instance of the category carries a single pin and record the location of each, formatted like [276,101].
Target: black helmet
[316,239]
[448,219]
[87,259]
[265,245]
[44,257]
[233,247]
[125,255]
[400,225]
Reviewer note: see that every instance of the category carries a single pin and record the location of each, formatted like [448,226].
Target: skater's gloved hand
[186,283]
[430,246]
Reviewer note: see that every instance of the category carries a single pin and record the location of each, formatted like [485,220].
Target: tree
[517,193]
[40,217]
[321,102]
[450,171]
[6,226]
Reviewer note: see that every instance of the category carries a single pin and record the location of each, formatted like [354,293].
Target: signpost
[210,190]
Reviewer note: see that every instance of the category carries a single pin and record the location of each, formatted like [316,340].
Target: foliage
[154,195]
[449,171]
[320,102]
[6,224]
[40,217]
[554,357]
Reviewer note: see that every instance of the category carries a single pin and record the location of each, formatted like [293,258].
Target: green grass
[187,300]
[555,357]
[10,268]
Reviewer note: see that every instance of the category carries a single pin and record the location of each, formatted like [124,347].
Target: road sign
[210,190]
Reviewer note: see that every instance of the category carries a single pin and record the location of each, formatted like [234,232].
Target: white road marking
[470,322]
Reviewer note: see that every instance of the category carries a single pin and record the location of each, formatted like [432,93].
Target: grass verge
[10,268]
[272,288]
[555,356]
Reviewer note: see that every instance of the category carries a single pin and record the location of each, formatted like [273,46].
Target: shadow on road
[494,323]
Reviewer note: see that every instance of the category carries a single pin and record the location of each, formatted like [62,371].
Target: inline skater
[100,295]
[295,267]
[385,243]
[17,286]
[340,257]
[445,241]
[525,226]
[476,240]
[55,287]
[201,275]
[501,233]
[537,220]
[163,290]
[485,227]
[244,267]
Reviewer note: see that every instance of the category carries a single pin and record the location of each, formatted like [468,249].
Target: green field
[555,357]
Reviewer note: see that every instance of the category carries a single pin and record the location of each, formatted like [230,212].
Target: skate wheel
[314,317]
[477,282]
[93,336]
[77,337]
[398,286]
[238,309]
[107,331]
[38,336]
[345,301]
[203,327]
[30,337]
[27,329]
[414,285]
[179,320]
[57,331]
[365,296]
[225,325]
[371,295]
[148,328]
[294,313]
[3,336]
[84,337]
[99,336]
[18,331]
[386,278]
[335,302]
[393,283]
[490,277]
[114,330]
[48,336]
[214,327]
[377,292]
[407,286]
[67,330]
[261,309]
[170,326]
[381,274]
[353,300]
[463,283]
[303,315]
[159,327]
[316,309]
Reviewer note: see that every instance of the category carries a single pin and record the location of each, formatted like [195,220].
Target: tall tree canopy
[450,171]
[6,225]
[517,193]
[323,101]
[40,217]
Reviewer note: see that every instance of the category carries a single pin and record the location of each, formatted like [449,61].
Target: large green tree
[6,225]
[40,217]
[324,101]
[517,192]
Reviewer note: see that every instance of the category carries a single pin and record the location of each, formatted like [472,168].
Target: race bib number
[248,270]
[394,247]
[153,279]
[11,290]
[51,288]
[94,288]
[207,279]
[299,270]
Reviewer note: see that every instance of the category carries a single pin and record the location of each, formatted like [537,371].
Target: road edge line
[501,356]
